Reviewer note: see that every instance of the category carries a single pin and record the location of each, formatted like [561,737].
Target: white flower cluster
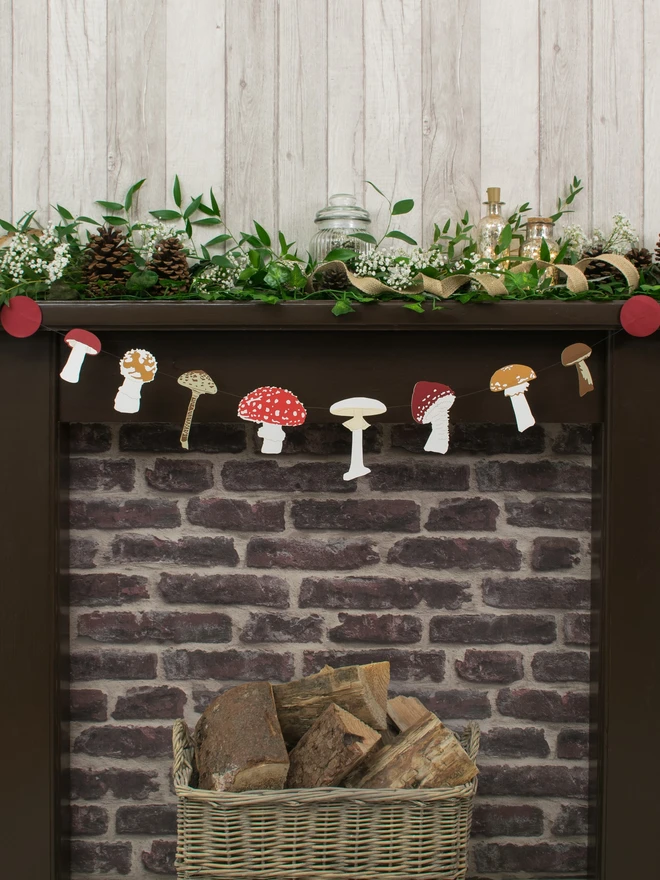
[149,234]
[21,254]
[222,276]
[575,236]
[61,257]
[622,238]
[398,266]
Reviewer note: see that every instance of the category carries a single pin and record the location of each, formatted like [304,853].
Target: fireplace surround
[381,349]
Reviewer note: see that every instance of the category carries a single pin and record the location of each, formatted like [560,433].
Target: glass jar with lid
[341,217]
[540,229]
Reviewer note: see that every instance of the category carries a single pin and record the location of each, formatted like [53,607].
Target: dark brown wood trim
[195,315]
[629,765]
[29,649]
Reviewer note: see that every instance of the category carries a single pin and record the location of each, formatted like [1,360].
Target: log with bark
[427,755]
[403,712]
[333,746]
[238,741]
[360,690]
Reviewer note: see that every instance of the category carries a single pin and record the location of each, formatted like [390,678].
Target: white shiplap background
[276,103]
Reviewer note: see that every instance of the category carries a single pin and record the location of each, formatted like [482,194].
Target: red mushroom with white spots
[431,403]
[274,408]
[81,343]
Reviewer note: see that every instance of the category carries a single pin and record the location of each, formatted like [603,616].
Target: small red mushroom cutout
[21,316]
[81,343]
[273,408]
[431,403]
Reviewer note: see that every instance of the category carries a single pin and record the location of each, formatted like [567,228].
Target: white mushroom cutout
[514,381]
[137,367]
[273,408]
[357,408]
[577,354]
[197,382]
[81,343]
[431,403]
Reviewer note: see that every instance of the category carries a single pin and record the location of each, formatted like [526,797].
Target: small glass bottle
[490,227]
[538,230]
[336,222]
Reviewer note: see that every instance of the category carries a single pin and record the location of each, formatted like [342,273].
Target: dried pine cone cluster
[109,254]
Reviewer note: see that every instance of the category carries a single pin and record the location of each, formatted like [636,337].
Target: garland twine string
[576,282]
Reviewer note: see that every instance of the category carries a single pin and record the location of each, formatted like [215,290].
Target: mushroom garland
[431,403]
[273,408]
[137,367]
[576,355]
[357,408]
[81,343]
[514,380]
[198,382]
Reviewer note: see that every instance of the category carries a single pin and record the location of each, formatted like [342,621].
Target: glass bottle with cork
[539,230]
[490,227]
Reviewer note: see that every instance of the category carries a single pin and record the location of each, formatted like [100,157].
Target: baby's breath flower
[222,276]
[574,236]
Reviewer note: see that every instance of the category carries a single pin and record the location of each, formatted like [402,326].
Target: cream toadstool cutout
[514,381]
[357,408]
[431,403]
[81,343]
[272,407]
[137,367]
[197,382]
[577,354]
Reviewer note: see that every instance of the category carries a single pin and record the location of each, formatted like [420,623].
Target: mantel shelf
[189,315]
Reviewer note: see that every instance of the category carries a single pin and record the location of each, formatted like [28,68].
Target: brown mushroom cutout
[577,354]
[514,380]
[197,382]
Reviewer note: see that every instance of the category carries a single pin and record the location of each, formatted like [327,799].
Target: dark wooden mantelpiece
[382,348]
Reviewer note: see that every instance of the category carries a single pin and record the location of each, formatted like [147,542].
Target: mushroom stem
[585,380]
[522,412]
[273,437]
[71,370]
[438,440]
[128,396]
[188,420]
[356,467]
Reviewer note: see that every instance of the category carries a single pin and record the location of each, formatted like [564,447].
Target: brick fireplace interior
[470,573]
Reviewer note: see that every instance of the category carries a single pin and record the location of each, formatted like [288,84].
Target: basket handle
[184,751]
[470,739]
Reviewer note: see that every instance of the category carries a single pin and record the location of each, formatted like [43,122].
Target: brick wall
[469,572]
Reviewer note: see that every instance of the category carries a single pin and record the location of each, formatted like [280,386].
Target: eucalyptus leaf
[165,214]
[214,203]
[128,201]
[192,207]
[115,221]
[176,191]
[341,307]
[224,262]
[414,307]
[109,206]
[339,253]
[364,236]
[401,236]
[208,221]
[405,206]
[545,251]
[218,239]
[506,236]
[379,191]
[264,237]
[83,219]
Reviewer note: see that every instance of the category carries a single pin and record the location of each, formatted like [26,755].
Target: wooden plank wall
[276,103]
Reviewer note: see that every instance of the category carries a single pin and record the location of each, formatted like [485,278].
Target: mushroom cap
[86,338]
[273,406]
[425,394]
[510,376]
[139,364]
[362,406]
[198,381]
[574,353]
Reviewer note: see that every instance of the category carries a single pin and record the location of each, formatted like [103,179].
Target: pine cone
[108,255]
[640,257]
[657,251]
[597,269]
[170,262]
[331,279]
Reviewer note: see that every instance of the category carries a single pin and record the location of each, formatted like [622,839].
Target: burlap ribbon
[576,280]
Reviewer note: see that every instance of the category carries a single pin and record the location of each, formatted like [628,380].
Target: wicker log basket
[321,833]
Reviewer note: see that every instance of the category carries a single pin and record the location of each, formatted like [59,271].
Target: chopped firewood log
[360,690]
[333,746]
[238,741]
[427,755]
[403,712]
